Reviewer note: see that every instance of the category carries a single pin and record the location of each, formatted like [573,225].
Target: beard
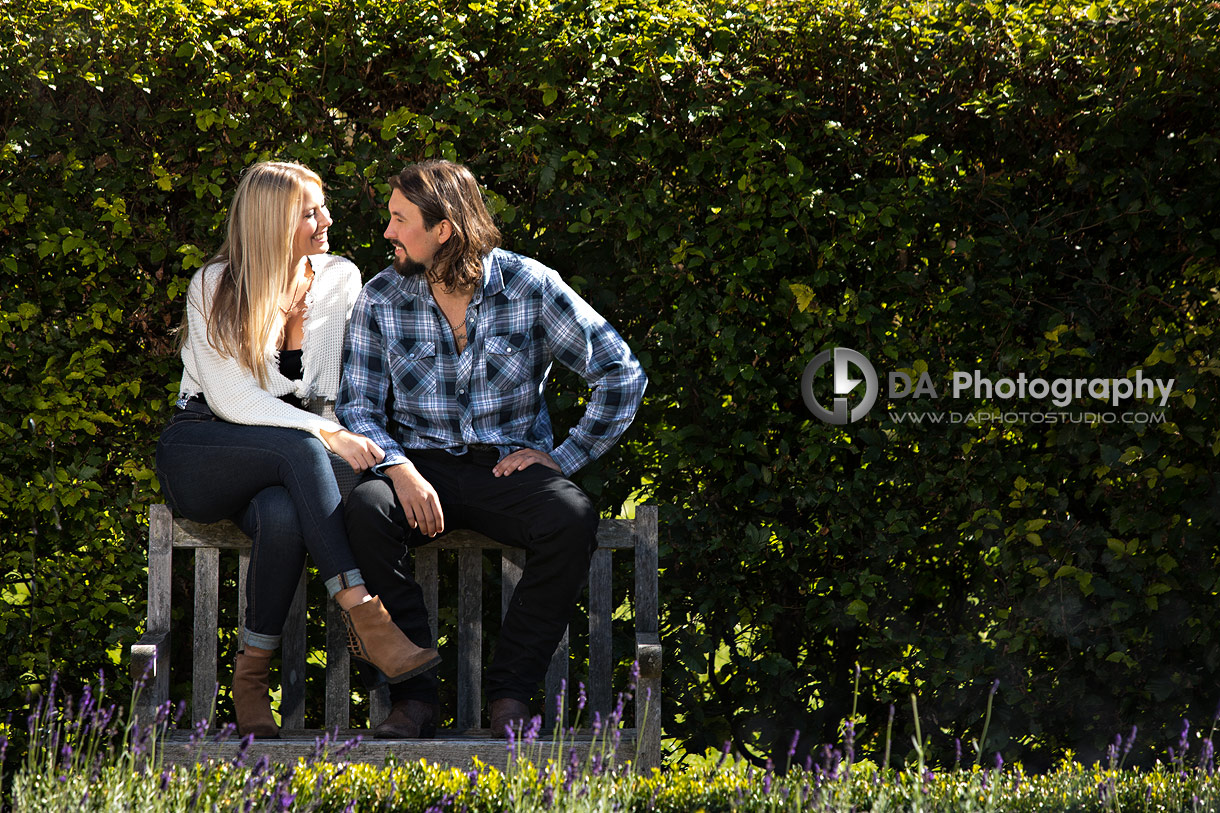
[405,266]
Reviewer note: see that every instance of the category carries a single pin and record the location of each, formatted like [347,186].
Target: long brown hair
[257,256]
[444,190]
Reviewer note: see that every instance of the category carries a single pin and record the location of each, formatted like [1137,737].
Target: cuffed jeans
[278,486]
[537,509]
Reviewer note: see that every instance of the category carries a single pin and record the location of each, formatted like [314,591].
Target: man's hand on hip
[419,499]
[523,459]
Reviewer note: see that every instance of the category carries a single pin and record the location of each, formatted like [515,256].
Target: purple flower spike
[242,747]
[580,697]
[531,734]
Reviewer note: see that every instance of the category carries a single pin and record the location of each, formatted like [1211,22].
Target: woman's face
[310,235]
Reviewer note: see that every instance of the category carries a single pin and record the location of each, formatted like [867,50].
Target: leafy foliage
[1025,188]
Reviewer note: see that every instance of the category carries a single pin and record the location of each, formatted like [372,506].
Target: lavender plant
[86,756]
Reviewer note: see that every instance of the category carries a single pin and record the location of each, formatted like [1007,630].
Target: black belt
[196,403]
[482,454]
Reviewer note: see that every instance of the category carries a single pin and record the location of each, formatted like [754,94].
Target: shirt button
[461,392]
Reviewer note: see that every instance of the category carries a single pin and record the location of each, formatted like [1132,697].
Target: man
[447,355]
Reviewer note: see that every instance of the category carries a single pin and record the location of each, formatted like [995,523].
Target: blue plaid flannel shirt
[405,386]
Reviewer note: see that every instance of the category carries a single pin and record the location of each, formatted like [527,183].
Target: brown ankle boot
[507,713]
[252,697]
[409,720]
[373,638]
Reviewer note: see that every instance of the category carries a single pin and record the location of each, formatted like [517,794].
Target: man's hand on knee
[523,459]
[418,498]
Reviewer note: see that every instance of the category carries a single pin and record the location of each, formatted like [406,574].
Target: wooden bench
[150,656]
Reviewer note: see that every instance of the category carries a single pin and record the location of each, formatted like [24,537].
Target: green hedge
[1027,188]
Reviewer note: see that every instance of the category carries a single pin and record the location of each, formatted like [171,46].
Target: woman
[264,333]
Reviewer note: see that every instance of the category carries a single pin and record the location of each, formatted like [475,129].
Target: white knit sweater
[233,392]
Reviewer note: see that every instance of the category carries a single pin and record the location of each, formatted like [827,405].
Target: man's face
[414,246]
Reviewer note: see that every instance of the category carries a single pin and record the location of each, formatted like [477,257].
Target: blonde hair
[257,257]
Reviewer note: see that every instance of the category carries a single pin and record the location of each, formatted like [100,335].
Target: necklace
[296,302]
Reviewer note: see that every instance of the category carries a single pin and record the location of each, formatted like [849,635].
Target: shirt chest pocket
[508,363]
[413,367]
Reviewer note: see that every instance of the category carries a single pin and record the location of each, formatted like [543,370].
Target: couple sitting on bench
[438,365]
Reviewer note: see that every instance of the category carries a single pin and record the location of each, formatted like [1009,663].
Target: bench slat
[243,571]
[617,534]
[557,684]
[648,639]
[470,638]
[427,575]
[646,610]
[600,638]
[338,670]
[512,562]
[292,662]
[203,678]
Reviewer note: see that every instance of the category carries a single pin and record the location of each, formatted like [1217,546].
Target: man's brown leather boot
[409,720]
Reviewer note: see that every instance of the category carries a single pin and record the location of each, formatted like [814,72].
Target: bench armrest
[150,668]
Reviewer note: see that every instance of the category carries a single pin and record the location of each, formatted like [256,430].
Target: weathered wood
[512,562]
[466,740]
[292,662]
[456,748]
[222,535]
[243,573]
[600,634]
[427,576]
[470,638]
[160,560]
[648,640]
[338,670]
[150,654]
[146,653]
[646,609]
[557,688]
[379,705]
[203,677]
[612,533]
[648,698]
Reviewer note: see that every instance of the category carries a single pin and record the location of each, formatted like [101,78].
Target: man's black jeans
[537,509]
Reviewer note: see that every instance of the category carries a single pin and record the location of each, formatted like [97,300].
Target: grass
[86,756]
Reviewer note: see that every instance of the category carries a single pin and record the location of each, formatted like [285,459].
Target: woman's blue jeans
[278,486]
